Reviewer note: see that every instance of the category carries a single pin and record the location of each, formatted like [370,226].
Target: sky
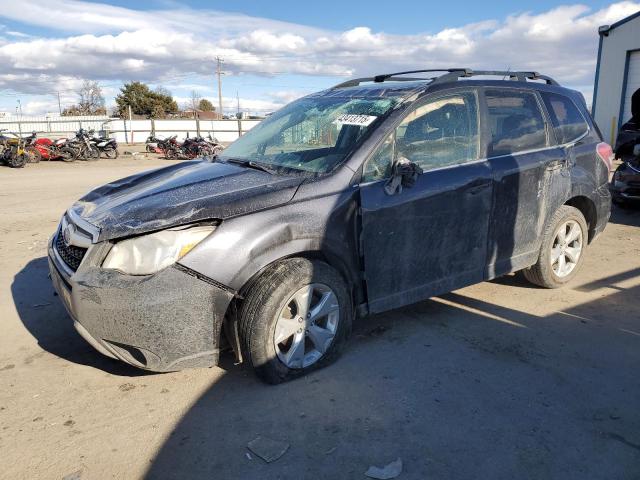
[276,51]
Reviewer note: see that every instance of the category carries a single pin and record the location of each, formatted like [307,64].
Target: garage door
[633,83]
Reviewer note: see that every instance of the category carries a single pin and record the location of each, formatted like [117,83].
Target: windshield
[311,134]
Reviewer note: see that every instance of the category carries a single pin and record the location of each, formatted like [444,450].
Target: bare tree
[194,101]
[90,100]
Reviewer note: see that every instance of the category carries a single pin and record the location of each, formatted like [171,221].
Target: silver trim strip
[84,225]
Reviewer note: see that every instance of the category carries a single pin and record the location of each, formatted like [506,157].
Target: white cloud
[109,44]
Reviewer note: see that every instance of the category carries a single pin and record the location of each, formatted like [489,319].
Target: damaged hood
[180,194]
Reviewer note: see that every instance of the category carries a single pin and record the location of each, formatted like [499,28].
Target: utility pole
[19,108]
[238,100]
[59,105]
[130,126]
[219,73]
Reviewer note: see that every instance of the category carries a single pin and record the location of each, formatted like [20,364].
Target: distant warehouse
[617,74]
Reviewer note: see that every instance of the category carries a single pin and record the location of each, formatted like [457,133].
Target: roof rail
[451,75]
[381,78]
[515,76]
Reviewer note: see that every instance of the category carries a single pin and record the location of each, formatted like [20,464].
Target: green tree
[144,101]
[206,106]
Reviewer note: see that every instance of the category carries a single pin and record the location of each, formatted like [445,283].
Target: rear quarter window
[516,122]
[568,123]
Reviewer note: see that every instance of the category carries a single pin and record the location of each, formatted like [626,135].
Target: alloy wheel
[306,326]
[566,249]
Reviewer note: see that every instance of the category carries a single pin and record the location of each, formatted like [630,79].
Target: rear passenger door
[523,162]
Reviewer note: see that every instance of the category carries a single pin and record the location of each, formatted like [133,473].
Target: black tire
[92,153]
[111,153]
[17,161]
[541,273]
[68,154]
[264,301]
[33,154]
[170,153]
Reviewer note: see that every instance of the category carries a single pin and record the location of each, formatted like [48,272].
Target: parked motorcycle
[108,147]
[161,145]
[191,148]
[81,147]
[17,151]
[55,149]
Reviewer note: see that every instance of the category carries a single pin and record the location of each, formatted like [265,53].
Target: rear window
[568,122]
[516,123]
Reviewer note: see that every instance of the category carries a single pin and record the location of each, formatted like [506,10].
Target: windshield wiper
[251,164]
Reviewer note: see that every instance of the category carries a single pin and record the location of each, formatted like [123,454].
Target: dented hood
[180,194]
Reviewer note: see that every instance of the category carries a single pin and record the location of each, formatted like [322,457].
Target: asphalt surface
[500,380]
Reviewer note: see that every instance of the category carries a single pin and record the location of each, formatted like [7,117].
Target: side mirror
[404,174]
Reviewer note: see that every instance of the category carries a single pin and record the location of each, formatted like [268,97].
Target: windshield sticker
[353,119]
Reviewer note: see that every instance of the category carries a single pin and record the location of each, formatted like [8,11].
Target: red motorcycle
[55,149]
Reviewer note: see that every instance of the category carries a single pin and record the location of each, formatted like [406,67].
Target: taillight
[605,152]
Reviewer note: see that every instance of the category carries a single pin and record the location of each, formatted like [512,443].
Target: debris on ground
[387,472]
[268,449]
[77,475]
[38,305]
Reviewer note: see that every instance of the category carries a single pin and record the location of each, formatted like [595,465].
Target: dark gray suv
[365,197]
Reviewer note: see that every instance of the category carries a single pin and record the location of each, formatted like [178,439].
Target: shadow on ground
[45,318]
[455,386]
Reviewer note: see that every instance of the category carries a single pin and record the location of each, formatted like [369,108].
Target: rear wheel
[33,154]
[295,318]
[111,153]
[562,252]
[68,154]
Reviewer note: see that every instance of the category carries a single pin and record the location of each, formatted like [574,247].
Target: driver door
[429,238]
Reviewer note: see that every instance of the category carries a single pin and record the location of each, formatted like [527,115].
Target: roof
[396,85]
[605,29]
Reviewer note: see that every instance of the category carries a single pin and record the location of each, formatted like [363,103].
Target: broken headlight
[151,253]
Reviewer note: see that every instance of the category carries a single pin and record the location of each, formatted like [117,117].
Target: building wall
[610,76]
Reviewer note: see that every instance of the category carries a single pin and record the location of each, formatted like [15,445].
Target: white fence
[125,131]
[137,131]
[52,126]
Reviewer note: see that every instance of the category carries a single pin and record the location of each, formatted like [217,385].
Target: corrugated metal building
[617,74]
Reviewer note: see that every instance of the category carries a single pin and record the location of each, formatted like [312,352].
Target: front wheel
[17,160]
[68,154]
[564,242]
[92,153]
[295,318]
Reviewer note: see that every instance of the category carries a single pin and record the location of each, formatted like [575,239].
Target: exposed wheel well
[229,330]
[588,210]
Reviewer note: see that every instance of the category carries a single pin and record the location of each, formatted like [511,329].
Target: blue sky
[275,51]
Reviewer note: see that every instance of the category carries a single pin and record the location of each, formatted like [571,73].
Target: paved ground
[499,380]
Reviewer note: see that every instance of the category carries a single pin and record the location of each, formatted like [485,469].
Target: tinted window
[440,133]
[515,122]
[567,121]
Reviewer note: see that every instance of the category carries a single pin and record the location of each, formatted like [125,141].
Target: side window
[568,123]
[379,165]
[439,133]
[515,122]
